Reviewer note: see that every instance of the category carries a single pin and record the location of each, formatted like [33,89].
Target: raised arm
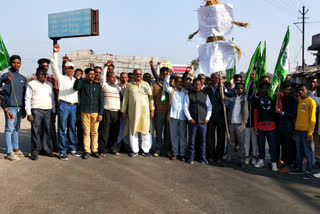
[153,70]
[54,63]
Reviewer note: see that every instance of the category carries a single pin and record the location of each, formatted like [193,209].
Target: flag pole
[224,107]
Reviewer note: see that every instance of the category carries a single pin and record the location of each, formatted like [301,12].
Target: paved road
[140,185]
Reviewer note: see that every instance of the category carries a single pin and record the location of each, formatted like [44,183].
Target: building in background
[300,76]
[86,58]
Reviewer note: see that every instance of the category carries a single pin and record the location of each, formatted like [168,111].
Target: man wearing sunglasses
[67,107]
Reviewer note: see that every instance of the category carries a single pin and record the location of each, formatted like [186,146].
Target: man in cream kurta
[138,104]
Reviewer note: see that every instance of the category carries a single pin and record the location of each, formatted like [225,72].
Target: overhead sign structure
[76,23]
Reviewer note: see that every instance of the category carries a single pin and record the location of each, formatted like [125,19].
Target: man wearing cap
[67,107]
[43,62]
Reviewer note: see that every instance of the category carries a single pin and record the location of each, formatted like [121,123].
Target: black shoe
[63,157]
[51,155]
[96,155]
[85,155]
[148,155]
[34,157]
[242,165]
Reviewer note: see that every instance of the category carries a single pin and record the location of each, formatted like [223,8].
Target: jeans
[272,141]
[11,129]
[303,145]
[178,133]
[197,131]
[250,135]
[67,113]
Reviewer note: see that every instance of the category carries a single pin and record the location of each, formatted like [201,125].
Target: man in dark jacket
[91,109]
[197,108]
[216,122]
[287,110]
[13,105]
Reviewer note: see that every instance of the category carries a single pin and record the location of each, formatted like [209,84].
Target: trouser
[316,146]
[197,131]
[79,132]
[109,131]
[162,124]
[40,124]
[178,132]
[303,147]
[237,133]
[216,151]
[67,118]
[272,141]
[12,127]
[145,142]
[292,150]
[250,136]
[53,134]
[284,142]
[90,126]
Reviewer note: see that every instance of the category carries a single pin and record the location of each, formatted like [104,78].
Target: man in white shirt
[39,103]
[67,107]
[198,110]
[178,122]
[237,119]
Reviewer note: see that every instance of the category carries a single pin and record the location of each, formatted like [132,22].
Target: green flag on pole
[253,61]
[261,66]
[282,67]
[4,56]
[231,72]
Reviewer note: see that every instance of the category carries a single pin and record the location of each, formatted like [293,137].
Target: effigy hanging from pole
[215,20]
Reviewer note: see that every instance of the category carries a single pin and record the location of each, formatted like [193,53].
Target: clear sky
[155,28]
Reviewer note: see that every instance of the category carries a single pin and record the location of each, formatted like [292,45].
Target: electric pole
[303,13]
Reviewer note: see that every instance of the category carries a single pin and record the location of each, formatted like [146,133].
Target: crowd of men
[98,113]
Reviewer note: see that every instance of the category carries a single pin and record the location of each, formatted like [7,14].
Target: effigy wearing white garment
[215,20]
[215,57]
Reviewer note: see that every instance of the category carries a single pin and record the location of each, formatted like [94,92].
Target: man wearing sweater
[39,102]
[13,105]
[111,116]
[161,110]
[91,109]
[265,126]
[305,124]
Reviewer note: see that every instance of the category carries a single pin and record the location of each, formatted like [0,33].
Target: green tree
[195,64]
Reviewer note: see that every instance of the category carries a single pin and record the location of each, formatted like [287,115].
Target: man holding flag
[12,101]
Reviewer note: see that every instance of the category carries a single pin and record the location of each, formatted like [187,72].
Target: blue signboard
[70,24]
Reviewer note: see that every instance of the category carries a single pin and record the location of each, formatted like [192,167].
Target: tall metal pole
[303,24]
[303,13]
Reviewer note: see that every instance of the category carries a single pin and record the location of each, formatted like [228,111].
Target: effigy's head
[212,2]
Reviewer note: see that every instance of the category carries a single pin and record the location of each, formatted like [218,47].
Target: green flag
[231,72]
[282,67]
[263,62]
[253,61]
[4,56]
[261,66]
